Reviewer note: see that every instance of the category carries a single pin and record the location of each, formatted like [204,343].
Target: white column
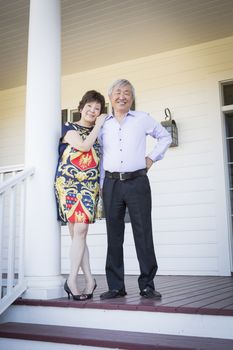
[42,241]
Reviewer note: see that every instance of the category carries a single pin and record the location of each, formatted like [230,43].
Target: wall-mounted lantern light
[170,125]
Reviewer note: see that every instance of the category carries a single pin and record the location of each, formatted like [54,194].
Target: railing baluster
[21,230]
[10,189]
[11,244]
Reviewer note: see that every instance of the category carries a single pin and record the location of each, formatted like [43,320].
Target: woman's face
[90,112]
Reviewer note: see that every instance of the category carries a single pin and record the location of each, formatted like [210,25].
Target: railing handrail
[14,180]
[11,168]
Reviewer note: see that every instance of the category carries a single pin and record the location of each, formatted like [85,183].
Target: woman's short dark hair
[91,96]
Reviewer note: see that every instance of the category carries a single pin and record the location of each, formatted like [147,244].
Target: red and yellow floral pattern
[77,180]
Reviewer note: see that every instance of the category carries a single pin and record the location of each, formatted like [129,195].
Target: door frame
[223,205]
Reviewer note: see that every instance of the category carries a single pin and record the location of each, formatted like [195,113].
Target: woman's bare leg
[85,264]
[71,229]
[78,232]
[87,271]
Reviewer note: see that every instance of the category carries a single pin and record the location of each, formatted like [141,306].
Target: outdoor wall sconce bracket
[170,125]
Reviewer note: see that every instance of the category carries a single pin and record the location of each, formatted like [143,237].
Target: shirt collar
[130,113]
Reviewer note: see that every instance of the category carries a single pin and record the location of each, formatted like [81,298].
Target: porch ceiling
[96,33]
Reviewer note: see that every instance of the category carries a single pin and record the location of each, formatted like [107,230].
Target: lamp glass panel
[227,90]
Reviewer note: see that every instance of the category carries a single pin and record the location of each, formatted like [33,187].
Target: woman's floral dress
[77,179]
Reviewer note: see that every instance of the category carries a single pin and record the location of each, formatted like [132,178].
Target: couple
[122,138]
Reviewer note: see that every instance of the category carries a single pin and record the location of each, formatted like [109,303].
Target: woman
[77,186]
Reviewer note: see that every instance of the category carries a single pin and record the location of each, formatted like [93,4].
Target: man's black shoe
[150,293]
[113,293]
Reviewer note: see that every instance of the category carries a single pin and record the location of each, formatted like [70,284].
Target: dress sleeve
[66,127]
[62,146]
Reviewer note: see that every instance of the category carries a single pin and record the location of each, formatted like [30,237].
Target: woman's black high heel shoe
[79,297]
[90,295]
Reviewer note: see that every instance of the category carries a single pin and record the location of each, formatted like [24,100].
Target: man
[123,138]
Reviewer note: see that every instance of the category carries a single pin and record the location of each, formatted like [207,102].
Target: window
[75,115]
[227,109]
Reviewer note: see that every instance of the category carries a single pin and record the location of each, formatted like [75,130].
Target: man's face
[121,98]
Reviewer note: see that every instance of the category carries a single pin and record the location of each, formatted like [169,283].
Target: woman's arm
[74,139]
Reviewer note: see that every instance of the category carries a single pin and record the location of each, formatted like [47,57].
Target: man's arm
[157,131]
[149,163]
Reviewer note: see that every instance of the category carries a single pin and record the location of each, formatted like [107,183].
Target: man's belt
[125,176]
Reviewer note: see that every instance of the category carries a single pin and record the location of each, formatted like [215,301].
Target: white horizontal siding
[198,237]
[182,185]
[12,119]
[184,199]
[184,224]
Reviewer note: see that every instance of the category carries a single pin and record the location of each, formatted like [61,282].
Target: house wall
[12,118]
[191,230]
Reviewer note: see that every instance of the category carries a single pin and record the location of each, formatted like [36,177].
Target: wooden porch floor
[209,295]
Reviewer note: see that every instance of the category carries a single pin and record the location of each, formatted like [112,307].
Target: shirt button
[121,150]
[122,161]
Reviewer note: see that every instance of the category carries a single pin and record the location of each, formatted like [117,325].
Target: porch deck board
[180,294]
[199,300]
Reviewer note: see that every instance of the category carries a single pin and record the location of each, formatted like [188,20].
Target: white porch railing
[12,223]
[9,171]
